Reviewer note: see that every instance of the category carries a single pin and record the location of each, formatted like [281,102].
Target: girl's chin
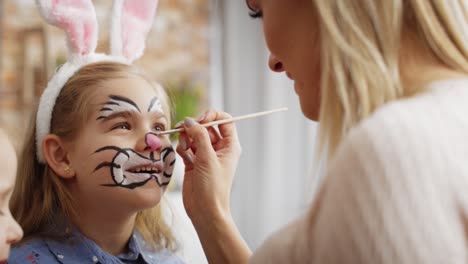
[146,199]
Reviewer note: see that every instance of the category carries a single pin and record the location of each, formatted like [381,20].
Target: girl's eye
[125,126]
[159,127]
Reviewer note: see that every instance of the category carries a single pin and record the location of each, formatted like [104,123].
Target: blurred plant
[60,60]
[186,97]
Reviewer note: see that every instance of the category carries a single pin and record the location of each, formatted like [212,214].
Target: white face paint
[118,104]
[130,169]
[121,124]
[155,106]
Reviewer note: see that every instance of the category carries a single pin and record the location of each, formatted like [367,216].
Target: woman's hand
[210,164]
[210,161]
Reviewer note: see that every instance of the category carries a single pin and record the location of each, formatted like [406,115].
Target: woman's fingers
[184,151]
[187,144]
[208,116]
[214,135]
[226,130]
[200,136]
[183,143]
[229,129]
[225,137]
[187,158]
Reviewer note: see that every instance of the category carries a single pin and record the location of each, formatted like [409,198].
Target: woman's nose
[274,64]
[153,142]
[14,232]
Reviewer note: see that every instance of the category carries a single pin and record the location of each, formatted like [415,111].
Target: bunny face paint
[129,169]
[117,156]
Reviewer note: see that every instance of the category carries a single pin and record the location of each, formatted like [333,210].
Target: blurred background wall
[177,54]
[207,53]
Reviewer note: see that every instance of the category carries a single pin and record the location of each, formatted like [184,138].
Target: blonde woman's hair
[360,54]
[41,203]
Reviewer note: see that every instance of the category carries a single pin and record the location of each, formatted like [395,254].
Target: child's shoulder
[32,251]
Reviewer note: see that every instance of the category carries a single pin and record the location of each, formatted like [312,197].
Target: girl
[10,231]
[105,172]
[94,170]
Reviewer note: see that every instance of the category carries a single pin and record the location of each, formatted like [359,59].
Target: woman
[387,80]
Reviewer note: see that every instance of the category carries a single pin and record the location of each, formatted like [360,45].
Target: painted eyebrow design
[155,103]
[124,100]
[127,114]
[117,104]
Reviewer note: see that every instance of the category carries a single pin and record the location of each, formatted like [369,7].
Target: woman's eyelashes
[254,11]
[255,14]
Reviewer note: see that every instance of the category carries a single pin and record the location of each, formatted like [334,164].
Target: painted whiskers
[130,169]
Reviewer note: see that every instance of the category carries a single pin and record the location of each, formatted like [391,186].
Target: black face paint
[130,169]
[117,104]
[124,100]
[155,105]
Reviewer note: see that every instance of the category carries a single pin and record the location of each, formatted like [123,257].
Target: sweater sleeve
[378,204]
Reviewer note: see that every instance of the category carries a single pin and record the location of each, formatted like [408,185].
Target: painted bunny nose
[152,141]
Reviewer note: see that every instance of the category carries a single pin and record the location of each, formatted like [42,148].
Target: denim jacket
[76,248]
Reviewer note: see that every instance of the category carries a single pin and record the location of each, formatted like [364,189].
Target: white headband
[131,21]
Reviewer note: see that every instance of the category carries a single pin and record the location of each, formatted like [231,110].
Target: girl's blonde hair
[360,54]
[41,203]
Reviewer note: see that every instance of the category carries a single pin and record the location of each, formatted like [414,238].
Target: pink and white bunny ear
[77,18]
[131,22]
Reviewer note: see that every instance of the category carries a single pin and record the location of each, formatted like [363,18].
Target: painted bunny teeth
[146,169]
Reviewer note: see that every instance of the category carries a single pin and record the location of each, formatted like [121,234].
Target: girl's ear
[56,156]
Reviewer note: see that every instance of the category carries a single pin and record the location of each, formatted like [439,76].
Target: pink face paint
[152,141]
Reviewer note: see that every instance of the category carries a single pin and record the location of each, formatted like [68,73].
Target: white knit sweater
[396,191]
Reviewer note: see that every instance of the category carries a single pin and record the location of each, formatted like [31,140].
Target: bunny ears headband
[131,21]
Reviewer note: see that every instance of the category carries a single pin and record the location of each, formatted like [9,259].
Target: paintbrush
[224,121]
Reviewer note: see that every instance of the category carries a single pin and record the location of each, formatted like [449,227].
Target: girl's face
[119,161]
[10,231]
[291,34]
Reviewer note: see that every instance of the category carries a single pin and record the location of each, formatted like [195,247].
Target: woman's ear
[56,156]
